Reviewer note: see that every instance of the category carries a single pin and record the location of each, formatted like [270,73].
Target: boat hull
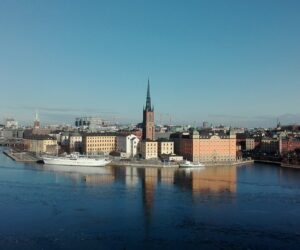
[76,162]
[188,164]
[198,167]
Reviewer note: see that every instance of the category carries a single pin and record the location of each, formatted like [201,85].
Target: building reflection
[105,176]
[148,188]
[194,182]
[131,177]
[90,175]
[209,180]
[289,177]
[167,176]
[96,180]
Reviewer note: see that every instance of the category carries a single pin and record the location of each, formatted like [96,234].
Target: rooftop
[39,137]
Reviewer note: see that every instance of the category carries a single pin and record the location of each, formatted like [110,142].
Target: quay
[20,156]
[30,158]
[145,164]
[290,166]
[235,163]
[27,157]
[284,165]
[268,162]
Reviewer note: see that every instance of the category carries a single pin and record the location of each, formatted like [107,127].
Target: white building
[11,123]
[75,142]
[64,138]
[128,145]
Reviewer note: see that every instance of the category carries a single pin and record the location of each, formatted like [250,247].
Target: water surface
[248,207]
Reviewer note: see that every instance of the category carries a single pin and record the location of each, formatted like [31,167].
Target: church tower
[36,123]
[148,118]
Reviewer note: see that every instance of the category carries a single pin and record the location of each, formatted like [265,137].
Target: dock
[268,162]
[280,164]
[284,165]
[20,156]
[30,158]
[145,164]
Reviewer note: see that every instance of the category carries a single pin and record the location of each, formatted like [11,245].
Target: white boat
[75,160]
[188,164]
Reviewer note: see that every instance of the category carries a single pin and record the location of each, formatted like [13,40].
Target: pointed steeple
[148,89]
[36,123]
[148,99]
[36,115]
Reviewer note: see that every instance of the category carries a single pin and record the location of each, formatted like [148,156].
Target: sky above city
[226,62]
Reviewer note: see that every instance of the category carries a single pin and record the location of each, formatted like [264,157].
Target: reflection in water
[167,176]
[289,177]
[217,180]
[211,179]
[77,169]
[95,180]
[131,177]
[134,208]
[148,188]
[90,175]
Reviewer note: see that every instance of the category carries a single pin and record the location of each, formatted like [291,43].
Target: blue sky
[230,62]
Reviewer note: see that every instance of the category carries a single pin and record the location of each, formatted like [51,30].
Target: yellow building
[99,143]
[148,149]
[40,143]
[165,147]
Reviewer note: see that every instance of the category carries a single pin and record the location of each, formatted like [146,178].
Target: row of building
[205,146]
[208,144]
[193,146]
[277,141]
[270,145]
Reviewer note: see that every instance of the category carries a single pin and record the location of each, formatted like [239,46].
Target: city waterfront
[52,207]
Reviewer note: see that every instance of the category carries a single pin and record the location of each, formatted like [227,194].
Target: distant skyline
[230,62]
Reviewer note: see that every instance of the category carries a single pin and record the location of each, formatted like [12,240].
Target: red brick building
[289,145]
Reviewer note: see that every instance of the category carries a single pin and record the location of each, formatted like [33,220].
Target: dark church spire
[148,99]
[148,118]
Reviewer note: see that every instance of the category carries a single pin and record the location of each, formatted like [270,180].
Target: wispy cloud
[63,109]
[283,117]
[253,121]
[70,110]
[56,114]
[224,116]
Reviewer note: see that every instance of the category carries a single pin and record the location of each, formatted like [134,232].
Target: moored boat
[188,164]
[75,160]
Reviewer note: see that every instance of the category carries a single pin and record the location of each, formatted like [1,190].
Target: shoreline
[27,157]
[284,165]
[280,164]
[158,165]
[268,162]
[20,156]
